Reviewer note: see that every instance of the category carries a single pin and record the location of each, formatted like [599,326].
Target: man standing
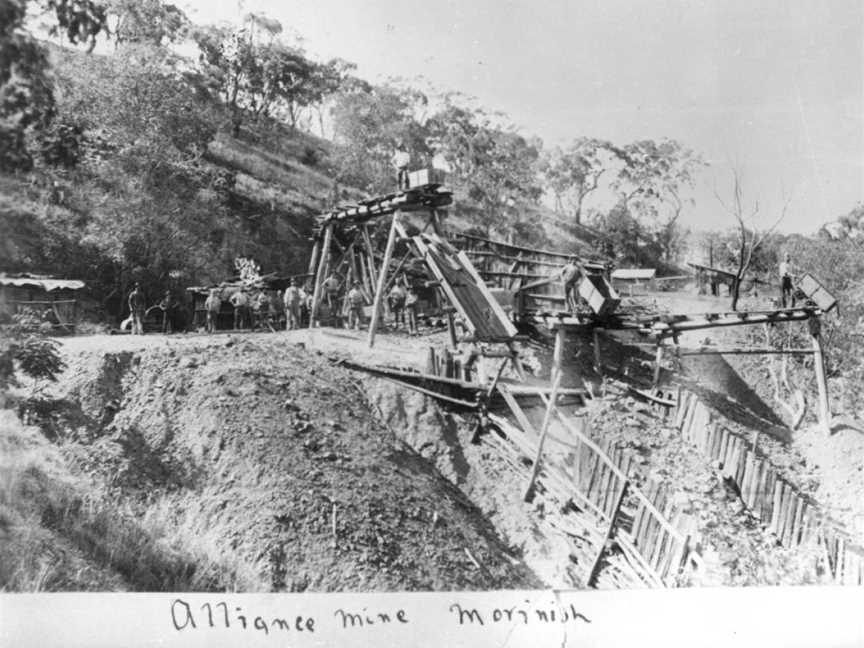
[240,301]
[786,290]
[136,309]
[331,287]
[397,304]
[401,159]
[213,305]
[293,299]
[356,302]
[411,307]
[571,274]
[262,308]
[167,306]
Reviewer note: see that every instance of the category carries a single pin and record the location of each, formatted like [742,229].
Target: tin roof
[44,282]
[634,273]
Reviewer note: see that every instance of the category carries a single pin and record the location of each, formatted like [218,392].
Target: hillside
[230,464]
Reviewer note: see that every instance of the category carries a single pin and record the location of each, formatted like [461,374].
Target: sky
[773,88]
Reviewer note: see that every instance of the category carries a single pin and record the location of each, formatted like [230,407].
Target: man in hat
[293,298]
[396,299]
[262,309]
[787,293]
[401,159]
[331,286]
[167,306]
[212,305]
[356,301]
[240,301]
[411,300]
[136,309]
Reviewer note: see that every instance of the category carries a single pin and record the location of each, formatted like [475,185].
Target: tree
[147,21]
[749,238]
[624,238]
[26,91]
[368,123]
[574,172]
[653,182]
[494,165]
[257,74]
[81,21]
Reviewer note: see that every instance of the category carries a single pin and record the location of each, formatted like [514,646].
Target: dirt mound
[264,453]
[444,439]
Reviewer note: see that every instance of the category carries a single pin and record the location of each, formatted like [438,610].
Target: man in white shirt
[240,301]
[293,299]
[401,159]
[356,302]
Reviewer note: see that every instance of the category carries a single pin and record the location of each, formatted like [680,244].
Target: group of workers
[138,310]
[786,283]
[260,310]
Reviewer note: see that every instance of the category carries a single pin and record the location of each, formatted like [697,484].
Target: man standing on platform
[787,292]
[401,160]
[571,274]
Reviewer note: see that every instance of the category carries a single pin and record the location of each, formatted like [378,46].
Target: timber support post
[319,276]
[557,355]
[815,327]
[598,361]
[451,329]
[382,279]
[658,361]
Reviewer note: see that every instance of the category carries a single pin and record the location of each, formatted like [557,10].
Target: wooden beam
[528,390]
[741,351]
[313,260]
[821,381]
[481,286]
[598,362]
[379,292]
[370,250]
[595,566]
[445,287]
[535,470]
[319,277]
[658,359]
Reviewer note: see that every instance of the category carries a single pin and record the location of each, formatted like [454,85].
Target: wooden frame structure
[344,241]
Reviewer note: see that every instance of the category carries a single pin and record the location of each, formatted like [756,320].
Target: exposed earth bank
[237,463]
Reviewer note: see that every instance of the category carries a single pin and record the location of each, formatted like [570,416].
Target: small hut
[54,299]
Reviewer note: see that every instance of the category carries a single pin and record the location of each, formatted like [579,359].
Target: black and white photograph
[438,323]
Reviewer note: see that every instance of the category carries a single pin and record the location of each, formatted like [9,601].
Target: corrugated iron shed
[40,281]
